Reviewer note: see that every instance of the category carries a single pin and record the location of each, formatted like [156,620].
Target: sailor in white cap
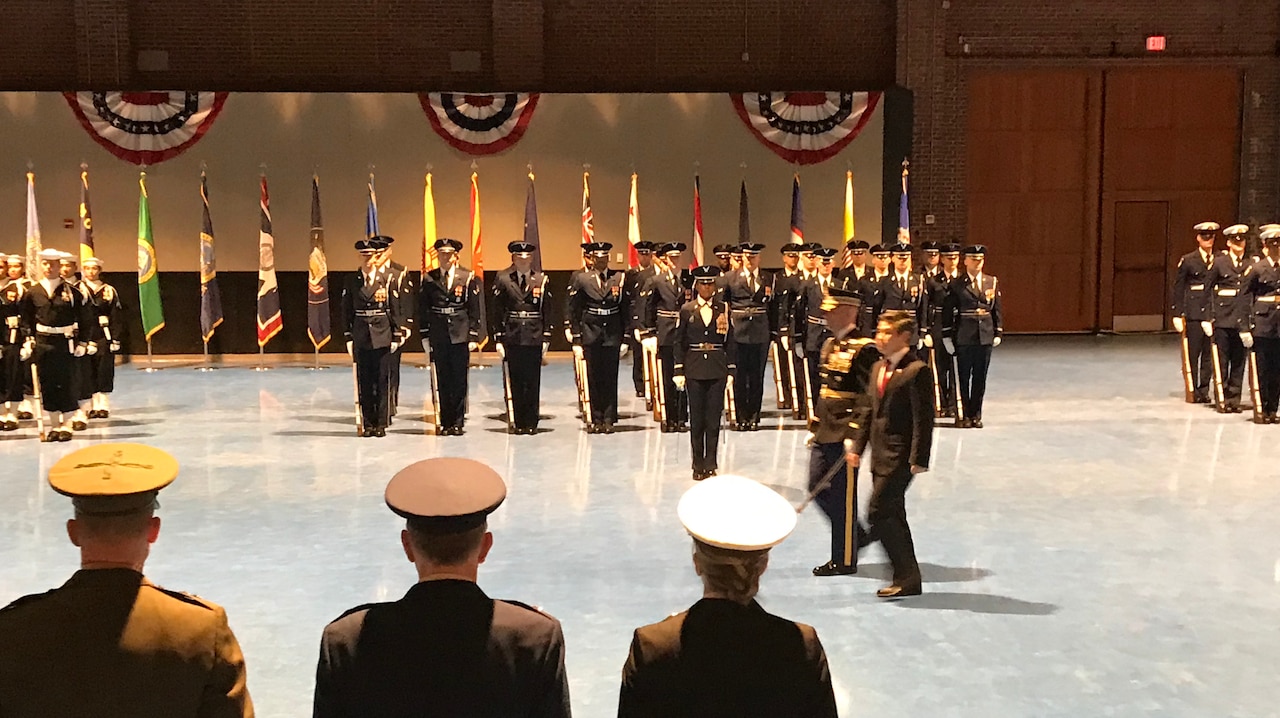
[445,648]
[69,271]
[725,655]
[1230,317]
[109,642]
[1191,300]
[58,312]
[103,333]
[15,346]
[15,273]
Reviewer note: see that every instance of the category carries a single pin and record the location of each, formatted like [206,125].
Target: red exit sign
[1155,43]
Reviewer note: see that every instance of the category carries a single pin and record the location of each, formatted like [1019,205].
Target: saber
[779,390]
[355,385]
[660,385]
[958,382]
[648,378]
[1188,384]
[1219,392]
[937,385]
[1255,391]
[39,397]
[506,396]
[824,483]
[796,407]
[435,391]
[808,386]
[586,392]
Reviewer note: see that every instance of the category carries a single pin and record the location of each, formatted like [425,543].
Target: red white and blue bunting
[479,124]
[805,128]
[146,128]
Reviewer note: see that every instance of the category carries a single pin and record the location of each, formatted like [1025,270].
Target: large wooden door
[1141,241]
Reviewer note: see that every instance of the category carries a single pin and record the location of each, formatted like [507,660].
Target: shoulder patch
[527,607]
[26,600]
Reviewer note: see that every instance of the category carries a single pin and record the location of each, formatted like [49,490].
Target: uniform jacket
[662,301]
[105,311]
[901,428]
[407,292]
[786,289]
[1264,291]
[65,307]
[1191,298]
[810,321]
[445,649]
[596,308]
[633,295]
[1230,306]
[750,308]
[872,302]
[721,659]
[843,405]
[13,313]
[937,297]
[369,322]
[521,317]
[449,315]
[973,316]
[111,643]
[906,295]
[703,364]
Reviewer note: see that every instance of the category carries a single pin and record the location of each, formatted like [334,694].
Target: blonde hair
[736,574]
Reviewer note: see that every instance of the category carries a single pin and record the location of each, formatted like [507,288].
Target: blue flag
[317,276]
[904,216]
[210,297]
[371,214]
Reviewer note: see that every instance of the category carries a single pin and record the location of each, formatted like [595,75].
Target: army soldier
[370,313]
[632,288]
[449,307]
[811,319]
[855,266]
[903,289]
[724,258]
[749,294]
[103,336]
[972,325]
[726,656]
[937,294]
[932,252]
[445,648]
[402,286]
[786,287]
[108,642]
[1191,306]
[58,314]
[15,350]
[663,298]
[873,284]
[1229,316]
[1264,290]
[841,406]
[522,332]
[704,363]
[595,323]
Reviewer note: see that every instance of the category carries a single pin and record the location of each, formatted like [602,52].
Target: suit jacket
[450,316]
[111,643]
[662,302]
[1191,297]
[596,308]
[704,363]
[370,323]
[1263,290]
[520,318]
[901,428]
[723,659]
[973,316]
[445,649]
[750,308]
[1230,306]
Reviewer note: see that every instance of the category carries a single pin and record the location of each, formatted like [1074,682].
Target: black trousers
[706,404]
[748,381]
[602,379]
[394,380]
[101,371]
[972,361]
[637,365]
[1266,352]
[784,401]
[887,514]
[84,376]
[451,362]
[839,501]
[524,368]
[56,366]
[11,367]
[1201,360]
[373,369]
[801,409]
[813,363]
[945,366]
[677,401]
[1231,355]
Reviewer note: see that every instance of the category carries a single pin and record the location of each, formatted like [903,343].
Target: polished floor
[1100,549]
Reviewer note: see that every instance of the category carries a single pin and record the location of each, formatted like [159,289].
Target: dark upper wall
[406,45]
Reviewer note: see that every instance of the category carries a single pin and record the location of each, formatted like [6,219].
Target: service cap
[838,295]
[879,249]
[67,257]
[597,248]
[366,246]
[671,248]
[446,495]
[951,248]
[446,244]
[384,240]
[50,254]
[979,250]
[525,248]
[900,248]
[792,248]
[857,245]
[826,254]
[1207,227]
[91,262]
[644,246]
[705,273]
[736,513]
[113,479]
[750,248]
[722,249]
[1270,235]
[930,246]
[1236,232]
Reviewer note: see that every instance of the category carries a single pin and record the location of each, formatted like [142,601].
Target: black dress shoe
[25,415]
[896,591]
[608,427]
[64,435]
[962,424]
[975,423]
[9,426]
[831,568]
[682,427]
[380,431]
[79,425]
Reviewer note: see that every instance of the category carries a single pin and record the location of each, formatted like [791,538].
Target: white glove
[79,350]
[568,334]
[395,346]
[786,343]
[678,380]
[1207,328]
[1247,339]
[115,347]
[636,333]
[577,351]
[728,380]
[91,348]
[502,351]
[351,352]
[799,351]
[650,344]
[1179,324]
[25,353]
[920,344]
[545,347]
[473,346]
[949,345]
[928,340]
[995,342]
[622,349]
[809,438]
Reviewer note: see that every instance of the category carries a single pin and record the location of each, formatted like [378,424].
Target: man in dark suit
[370,314]
[109,642]
[450,326]
[522,332]
[633,282]
[1264,291]
[704,349]
[446,648]
[663,296]
[1230,315]
[1191,301]
[973,322]
[749,293]
[726,656]
[595,324]
[901,437]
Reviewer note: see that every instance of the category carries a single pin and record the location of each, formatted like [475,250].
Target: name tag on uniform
[1197,287]
[1227,292]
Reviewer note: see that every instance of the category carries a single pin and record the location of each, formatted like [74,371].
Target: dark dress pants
[1201,359]
[451,362]
[887,514]
[784,401]
[57,367]
[1231,355]
[839,501]
[637,366]
[946,368]
[524,369]
[972,361]
[602,378]
[11,366]
[706,404]
[1266,352]
[677,401]
[373,383]
[748,384]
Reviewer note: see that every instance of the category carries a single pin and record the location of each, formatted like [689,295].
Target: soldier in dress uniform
[810,318]
[749,292]
[16,273]
[724,258]
[855,267]
[1264,290]
[705,356]
[873,289]
[839,409]
[725,655]
[58,319]
[937,294]
[449,321]
[932,252]
[1229,315]
[786,287]
[903,290]
[632,291]
[370,313]
[103,335]
[1191,306]
[663,297]
[522,332]
[972,325]
[402,286]
[108,642]
[445,648]
[595,323]
[15,350]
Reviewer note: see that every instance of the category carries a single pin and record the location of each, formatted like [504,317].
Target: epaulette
[189,598]
[349,611]
[528,607]
[24,600]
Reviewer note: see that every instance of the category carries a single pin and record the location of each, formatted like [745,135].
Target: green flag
[148,271]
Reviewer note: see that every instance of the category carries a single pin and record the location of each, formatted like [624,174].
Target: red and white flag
[695,247]
[633,226]
[588,221]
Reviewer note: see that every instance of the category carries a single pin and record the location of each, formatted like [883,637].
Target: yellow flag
[430,260]
[848,206]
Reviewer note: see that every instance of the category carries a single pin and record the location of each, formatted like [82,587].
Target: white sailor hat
[736,513]
[1235,231]
[50,254]
[66,257]
[91,262]
[1206,227]
[1271,233]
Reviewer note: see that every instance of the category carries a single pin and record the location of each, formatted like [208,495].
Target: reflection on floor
[1100,548]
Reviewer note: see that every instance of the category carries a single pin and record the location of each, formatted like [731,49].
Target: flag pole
[150,368]
[206,366]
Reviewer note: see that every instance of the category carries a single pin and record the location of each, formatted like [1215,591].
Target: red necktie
[884,378]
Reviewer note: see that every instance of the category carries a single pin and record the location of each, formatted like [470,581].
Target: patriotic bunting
[479,124]
[805,128]
[146,128]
